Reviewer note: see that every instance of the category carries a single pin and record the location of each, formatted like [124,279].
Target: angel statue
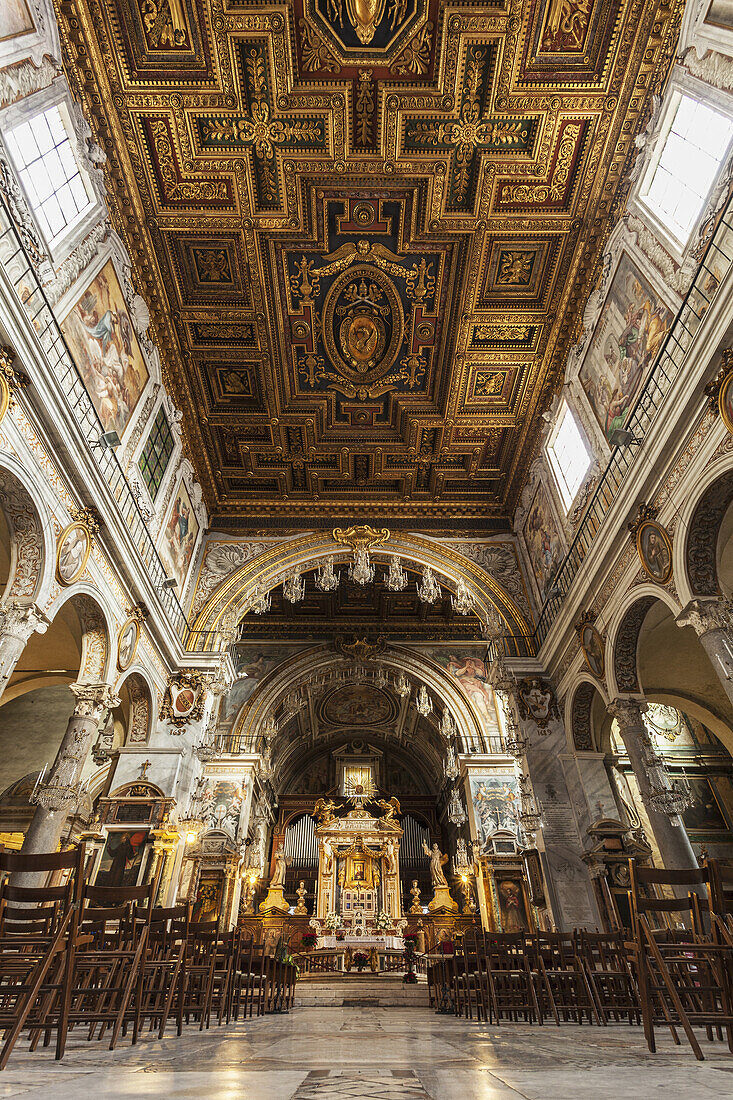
[437,861]
[282,862]
[391,809]
[323,812]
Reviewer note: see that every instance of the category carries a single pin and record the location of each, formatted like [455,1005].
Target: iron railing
[32,296]
[714,267]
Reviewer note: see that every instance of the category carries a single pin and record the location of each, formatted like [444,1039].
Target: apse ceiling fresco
[365,229]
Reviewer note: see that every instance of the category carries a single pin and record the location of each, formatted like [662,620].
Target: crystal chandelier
[361,571]
[294,587]
[666,795]
[57,794]
[456,811]
[530,814]
[515,742]
[423,703]
[292,703]
[396,578]
[260,600]
[450,764]
[462,602]
[192,823]
[381,680]
[206,750]
[402,685]
[270,730]
[447,725]
[327,579]
[428,589]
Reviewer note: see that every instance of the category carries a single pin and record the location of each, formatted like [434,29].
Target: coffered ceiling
[365,229]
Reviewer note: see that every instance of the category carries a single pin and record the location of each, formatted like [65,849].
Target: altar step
[359,991]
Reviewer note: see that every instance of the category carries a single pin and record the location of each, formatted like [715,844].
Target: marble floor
[375,1054]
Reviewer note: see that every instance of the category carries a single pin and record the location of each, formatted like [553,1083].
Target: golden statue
[323,812]
[390,810]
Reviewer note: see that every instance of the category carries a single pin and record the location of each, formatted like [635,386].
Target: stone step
[359,990]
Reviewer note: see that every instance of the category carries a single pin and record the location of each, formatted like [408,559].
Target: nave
[379,1053]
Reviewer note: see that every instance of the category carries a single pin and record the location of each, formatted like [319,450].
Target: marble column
[672,840]
[710,618]
[18,621]
[58,793]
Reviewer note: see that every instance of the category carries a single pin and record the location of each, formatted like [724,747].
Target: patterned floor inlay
[376,1084]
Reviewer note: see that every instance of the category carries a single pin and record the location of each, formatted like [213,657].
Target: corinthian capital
[628,712]
[704,615]
[20,620]
[93,699]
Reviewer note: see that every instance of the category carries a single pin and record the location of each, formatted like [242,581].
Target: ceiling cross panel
[365,231]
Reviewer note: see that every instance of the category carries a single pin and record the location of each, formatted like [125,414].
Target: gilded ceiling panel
[366,230]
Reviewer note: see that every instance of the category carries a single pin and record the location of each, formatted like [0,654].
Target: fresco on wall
[15,19]
[102,341]
[179,535]
[542,538]
[222,804]
[470,671]
[494,797]
[628,334]
[253,664]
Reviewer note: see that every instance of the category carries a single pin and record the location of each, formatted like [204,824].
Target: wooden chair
[164,968]
[37,928]
[106,987]
[471,979]
[203,939]
[603,958]
[562,981]
[511,987]
[684,977]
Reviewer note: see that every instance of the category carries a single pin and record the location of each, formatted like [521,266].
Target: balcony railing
[716,263]
[31,295]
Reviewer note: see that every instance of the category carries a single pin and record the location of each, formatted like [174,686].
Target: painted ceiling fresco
[366,230]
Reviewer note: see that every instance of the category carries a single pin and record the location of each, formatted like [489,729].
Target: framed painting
[15,19]
[627,337]
[128,640]
[705,814]
[592,645]
[654,547]
[511,894]
[104,346]
[72,554]
[542,538]
[180,532]
[122,858]
[208,898]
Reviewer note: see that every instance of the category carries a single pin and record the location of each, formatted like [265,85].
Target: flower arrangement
[308,939]
[383,921]
[410,978]
[410,937]
[332,922]
[360,960]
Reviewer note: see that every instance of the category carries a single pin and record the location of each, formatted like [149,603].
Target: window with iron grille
[156,453]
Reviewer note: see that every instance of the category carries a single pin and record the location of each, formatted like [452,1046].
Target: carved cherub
[323,811]
[391,809]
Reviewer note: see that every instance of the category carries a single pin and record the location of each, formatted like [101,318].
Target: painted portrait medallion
[72,555]
[654,547]
[592,646]
[128,640]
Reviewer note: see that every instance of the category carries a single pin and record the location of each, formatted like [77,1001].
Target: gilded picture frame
[4,397]
[72,552]
[654,547]
[128,639]
[591,643]
[725,401]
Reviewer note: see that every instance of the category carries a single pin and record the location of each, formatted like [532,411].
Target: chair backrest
[643,902]
[47,904]
[720,886]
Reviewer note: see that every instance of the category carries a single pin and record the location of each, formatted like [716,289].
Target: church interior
[366,548]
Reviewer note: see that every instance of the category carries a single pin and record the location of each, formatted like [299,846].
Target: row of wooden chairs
[107,961]
[673,967]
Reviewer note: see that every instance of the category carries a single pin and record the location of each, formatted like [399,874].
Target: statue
[390,858]
[461,853]
[390,810]
[442,901]
[323,812]
[437,861]
[416,907]
[300,909]
[281,865]
[328,856]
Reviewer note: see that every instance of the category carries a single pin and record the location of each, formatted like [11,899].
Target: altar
[361,943]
